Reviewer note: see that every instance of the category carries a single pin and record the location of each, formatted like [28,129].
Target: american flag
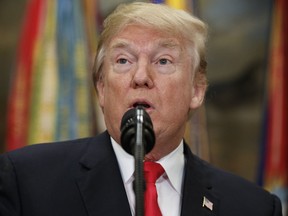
[207,203]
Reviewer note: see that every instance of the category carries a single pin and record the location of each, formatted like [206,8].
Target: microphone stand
[139,157]
[137,138]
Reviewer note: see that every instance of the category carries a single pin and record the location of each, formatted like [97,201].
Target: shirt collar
[173,164]
[125,160]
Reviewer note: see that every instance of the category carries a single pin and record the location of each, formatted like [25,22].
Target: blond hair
[161,17]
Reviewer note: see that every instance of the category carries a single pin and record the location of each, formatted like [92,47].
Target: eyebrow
[120,44]
[166,43]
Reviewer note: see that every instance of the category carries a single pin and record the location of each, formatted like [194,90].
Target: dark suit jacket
[82,178]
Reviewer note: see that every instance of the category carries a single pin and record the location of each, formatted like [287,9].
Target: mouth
[145,105]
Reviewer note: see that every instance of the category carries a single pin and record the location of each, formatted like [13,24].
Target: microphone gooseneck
[129,133]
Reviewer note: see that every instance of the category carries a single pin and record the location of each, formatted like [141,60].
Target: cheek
[178,92]
[114,83]
[115,90]
[175,105]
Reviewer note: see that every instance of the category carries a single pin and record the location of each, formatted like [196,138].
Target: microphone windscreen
[129,130]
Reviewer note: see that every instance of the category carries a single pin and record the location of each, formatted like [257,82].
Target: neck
[159,151]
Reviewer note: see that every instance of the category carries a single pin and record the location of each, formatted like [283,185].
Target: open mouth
[143,104]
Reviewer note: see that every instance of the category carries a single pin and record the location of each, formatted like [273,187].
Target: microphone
[135,123]
[137,138]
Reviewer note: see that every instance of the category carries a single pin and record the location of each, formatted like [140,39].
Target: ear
[100,90]
[198,91]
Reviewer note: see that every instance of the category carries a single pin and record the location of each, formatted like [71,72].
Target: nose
[143,76]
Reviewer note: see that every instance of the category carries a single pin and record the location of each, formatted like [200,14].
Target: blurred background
[46,54]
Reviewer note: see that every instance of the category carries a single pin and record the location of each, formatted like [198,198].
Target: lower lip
[147,109]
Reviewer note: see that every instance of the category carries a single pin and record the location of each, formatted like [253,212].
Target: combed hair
[173,22]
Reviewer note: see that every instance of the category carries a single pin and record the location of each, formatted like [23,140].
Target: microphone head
[129,127]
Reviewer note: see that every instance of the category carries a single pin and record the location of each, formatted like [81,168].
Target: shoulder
[238,194]
[218,178]
[49,150]
[226,181]
[47,154]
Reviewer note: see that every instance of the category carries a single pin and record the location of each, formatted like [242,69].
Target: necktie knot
[152,171]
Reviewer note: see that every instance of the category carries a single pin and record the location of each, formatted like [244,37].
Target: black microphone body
[133,121]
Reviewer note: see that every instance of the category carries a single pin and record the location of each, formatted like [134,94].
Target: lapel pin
[207,203]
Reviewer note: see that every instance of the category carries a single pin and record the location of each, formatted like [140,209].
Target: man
[149,55]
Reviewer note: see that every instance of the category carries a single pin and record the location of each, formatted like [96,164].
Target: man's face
[143,66]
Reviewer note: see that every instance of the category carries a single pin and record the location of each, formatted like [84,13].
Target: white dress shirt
[169,185]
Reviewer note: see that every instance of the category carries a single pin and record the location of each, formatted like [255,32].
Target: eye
[165,65]
[122,64]
[122,61]
[164,61]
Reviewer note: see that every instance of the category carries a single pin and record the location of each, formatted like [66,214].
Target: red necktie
[152,171]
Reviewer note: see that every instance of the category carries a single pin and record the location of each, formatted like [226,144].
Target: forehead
[135,35]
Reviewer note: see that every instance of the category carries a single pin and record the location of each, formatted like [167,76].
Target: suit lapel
[198,196]
[100,182]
